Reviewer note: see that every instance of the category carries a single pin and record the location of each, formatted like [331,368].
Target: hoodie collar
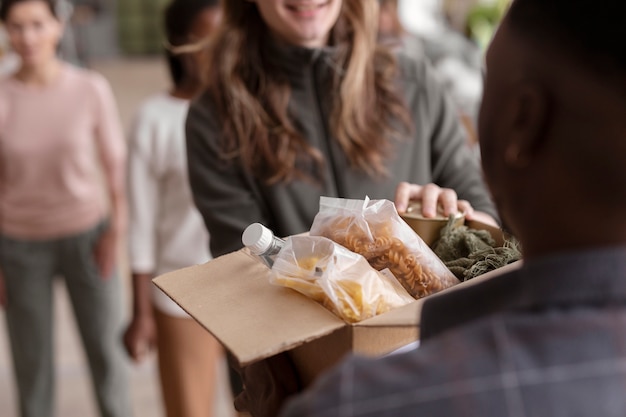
[298,62]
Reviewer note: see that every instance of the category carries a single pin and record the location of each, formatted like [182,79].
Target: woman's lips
[306,9]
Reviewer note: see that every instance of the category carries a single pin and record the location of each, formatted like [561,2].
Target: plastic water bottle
[262,242]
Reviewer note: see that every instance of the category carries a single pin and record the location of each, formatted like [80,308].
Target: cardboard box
[429,228]
[232,298]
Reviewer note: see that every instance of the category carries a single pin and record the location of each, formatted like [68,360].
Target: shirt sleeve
[143,191]
[222,193]
[109,135]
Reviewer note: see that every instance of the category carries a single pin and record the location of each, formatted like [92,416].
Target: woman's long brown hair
[251,96]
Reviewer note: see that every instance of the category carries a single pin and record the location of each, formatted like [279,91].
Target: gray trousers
[29,268]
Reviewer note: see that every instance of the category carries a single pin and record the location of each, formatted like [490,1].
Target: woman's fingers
[433,198]
[448,201]
[430,199]
[406,192]
[465,207]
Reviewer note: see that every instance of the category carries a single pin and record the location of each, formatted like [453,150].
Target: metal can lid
[257,238]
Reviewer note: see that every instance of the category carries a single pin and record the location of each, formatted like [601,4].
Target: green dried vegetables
[469,253]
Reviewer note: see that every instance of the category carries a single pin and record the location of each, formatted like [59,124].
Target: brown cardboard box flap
[410,314]
[405,316]
[231,297]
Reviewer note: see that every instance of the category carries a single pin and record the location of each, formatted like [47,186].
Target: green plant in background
[483,19]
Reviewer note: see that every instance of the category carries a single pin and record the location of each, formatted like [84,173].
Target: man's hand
[267,384]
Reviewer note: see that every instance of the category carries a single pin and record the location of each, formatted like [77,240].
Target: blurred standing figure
[456,59]
[166,230]
[80,17]
[9,61]
[391,32]
[58,125]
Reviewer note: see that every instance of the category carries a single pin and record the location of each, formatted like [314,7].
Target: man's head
[553,123]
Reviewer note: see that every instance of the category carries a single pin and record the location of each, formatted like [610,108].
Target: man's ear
[528,123]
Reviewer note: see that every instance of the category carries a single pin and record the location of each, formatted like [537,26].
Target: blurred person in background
[9,61]
[165,230]
[79,15]
[392,33]
[60,141]
[456,59]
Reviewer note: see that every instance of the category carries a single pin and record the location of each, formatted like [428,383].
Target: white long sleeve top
[166,232]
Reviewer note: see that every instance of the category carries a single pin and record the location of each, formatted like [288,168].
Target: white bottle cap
[257,238]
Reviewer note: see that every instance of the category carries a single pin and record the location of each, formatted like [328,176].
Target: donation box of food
[233,298]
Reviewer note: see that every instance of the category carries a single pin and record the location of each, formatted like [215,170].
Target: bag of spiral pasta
[340,280]
[374,229]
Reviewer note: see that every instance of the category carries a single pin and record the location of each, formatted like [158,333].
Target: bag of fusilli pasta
[375,230]
[340,280]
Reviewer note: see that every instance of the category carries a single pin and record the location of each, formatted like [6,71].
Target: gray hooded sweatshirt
[230,197]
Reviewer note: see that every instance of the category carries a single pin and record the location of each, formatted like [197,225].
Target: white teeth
[304,7]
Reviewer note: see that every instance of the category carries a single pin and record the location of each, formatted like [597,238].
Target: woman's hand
[140,337]
[432,197]
[435,199]
[267,384]
[105,251]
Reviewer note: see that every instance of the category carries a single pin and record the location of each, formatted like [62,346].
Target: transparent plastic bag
[340,280]
[375,230]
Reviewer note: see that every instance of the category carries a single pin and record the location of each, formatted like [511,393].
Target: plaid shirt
[547,340]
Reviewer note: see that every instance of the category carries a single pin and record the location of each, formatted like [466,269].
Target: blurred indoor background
[122,40]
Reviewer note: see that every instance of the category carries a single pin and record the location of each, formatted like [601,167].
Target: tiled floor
[132,80]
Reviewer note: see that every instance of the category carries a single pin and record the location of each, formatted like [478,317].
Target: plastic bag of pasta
[340,280]
[375,230]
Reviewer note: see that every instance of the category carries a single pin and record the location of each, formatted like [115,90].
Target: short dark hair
[178,20]
[7,5]
[592,30]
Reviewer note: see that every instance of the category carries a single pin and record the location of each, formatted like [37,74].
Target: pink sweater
[53,143]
